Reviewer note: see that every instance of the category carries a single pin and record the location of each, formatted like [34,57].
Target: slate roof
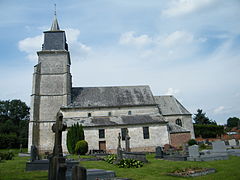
[114,96]
[115,120]
[169,105]
[174,128]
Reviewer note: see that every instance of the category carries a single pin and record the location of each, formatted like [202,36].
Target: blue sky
[188,48]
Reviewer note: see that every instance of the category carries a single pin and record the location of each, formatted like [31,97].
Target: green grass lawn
[155,169]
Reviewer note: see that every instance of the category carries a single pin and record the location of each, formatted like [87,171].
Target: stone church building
[103,111]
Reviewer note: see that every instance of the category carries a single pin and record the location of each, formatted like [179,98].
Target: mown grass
[154,170]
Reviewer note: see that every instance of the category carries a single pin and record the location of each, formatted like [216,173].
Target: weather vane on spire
[55,26]
[55,9]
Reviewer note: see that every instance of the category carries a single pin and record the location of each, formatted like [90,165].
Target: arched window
[179,122]
[89,114]
[129,112]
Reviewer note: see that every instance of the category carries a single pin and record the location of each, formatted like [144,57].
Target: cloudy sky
[188,48]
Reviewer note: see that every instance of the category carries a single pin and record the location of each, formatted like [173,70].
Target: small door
[102,145]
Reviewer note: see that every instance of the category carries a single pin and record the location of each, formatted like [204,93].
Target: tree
[14,118]
[208,130]
[201,118]
[233,122]
[74,134]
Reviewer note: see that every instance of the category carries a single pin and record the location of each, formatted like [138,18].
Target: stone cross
[57,128]
[127,141]
[119,140]
[119,149]
[57,163]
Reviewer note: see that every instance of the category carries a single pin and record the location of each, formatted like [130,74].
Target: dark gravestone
[79,173]
[119,149]
[34,154]
[57,164]
[159,152]
[127,141]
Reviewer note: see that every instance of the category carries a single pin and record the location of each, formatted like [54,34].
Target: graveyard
[153,170]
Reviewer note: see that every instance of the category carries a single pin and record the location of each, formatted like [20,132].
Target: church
[104,112]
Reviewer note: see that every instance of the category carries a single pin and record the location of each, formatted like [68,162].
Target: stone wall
[178,139]
[186,122]
[157,132]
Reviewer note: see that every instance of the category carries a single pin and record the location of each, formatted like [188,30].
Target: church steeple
[55,39]
[55,26]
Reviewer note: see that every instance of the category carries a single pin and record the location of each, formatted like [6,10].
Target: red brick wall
[178,139]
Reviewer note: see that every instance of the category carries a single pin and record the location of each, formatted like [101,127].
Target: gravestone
[219,147]
[127,142]
[232,142]
[185,150]
[193,151]
[159,152]
[57,163]
[119,149]
[79,173]
[34,153]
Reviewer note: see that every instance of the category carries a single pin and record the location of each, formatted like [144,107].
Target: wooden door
[102,145]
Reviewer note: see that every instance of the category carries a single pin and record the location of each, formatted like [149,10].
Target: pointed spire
[55,26]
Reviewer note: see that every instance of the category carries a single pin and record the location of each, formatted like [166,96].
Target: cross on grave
[57,163]
[127,141]
[119,140]
[57,128]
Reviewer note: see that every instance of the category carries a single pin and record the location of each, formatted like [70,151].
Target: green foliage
[110,158]
[233,122]
[130,163]
[6,155]
[203,146]
[208,131]
[192,142]
[81,147]
[201,118]
[9,141]
[14,118]
[74,134]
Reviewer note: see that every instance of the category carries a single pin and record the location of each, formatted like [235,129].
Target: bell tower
[51,87]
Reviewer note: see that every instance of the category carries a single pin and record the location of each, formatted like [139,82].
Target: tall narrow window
[123,132]
[129,112]
[146,132]
[101,133]
[179,122]
[89,114]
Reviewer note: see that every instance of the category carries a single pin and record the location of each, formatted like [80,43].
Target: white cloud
[31,45]
[219,110]
[178,37]
[129,38]
[171,91]
[182,7]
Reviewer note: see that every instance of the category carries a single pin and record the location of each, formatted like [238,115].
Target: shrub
[6,155]
[110,158]
[192,142]
[130,163]
[203,146]
[74,134]
[81,147]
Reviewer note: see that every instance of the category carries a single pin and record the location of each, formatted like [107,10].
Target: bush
[192,142]
[8,141]
[81,147]
[74,134]
[130,163]
[208,131]
[6,155]
[110,158]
